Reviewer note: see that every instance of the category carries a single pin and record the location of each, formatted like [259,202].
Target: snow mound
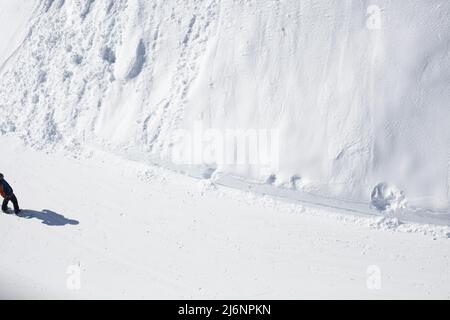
[353,102]
[387,223]
[386,197]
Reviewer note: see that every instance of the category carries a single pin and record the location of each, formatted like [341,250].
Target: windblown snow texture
[355,106]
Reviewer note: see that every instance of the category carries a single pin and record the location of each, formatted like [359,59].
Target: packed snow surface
[99,226]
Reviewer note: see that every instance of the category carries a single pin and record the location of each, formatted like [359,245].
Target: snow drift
[354,105]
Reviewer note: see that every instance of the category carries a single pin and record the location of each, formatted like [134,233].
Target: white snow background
[93,93]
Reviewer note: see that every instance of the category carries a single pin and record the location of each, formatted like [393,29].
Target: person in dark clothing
[8,195]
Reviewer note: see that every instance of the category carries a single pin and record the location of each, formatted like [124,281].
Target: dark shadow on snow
[48,217]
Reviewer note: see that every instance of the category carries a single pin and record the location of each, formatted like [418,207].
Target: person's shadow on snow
[48,217]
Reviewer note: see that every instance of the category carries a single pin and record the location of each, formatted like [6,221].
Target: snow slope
[97,226]
[14,23]
[354,105]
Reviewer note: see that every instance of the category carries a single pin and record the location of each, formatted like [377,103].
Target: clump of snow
[206,185]
[76,59]
[6,127]
[296,182]
[217,175]
[386,197]
[271,179]
[277,181]
[385,223]
[267,201]
[108,55]
[208,172]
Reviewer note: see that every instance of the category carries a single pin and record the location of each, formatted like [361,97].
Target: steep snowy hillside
[355,92]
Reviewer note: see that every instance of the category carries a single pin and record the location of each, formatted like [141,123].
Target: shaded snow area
[387,198]
[102,227]
[226,149]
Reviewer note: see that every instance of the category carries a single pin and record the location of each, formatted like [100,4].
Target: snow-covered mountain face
[350,93]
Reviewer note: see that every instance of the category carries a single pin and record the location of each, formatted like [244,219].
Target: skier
[8,195]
